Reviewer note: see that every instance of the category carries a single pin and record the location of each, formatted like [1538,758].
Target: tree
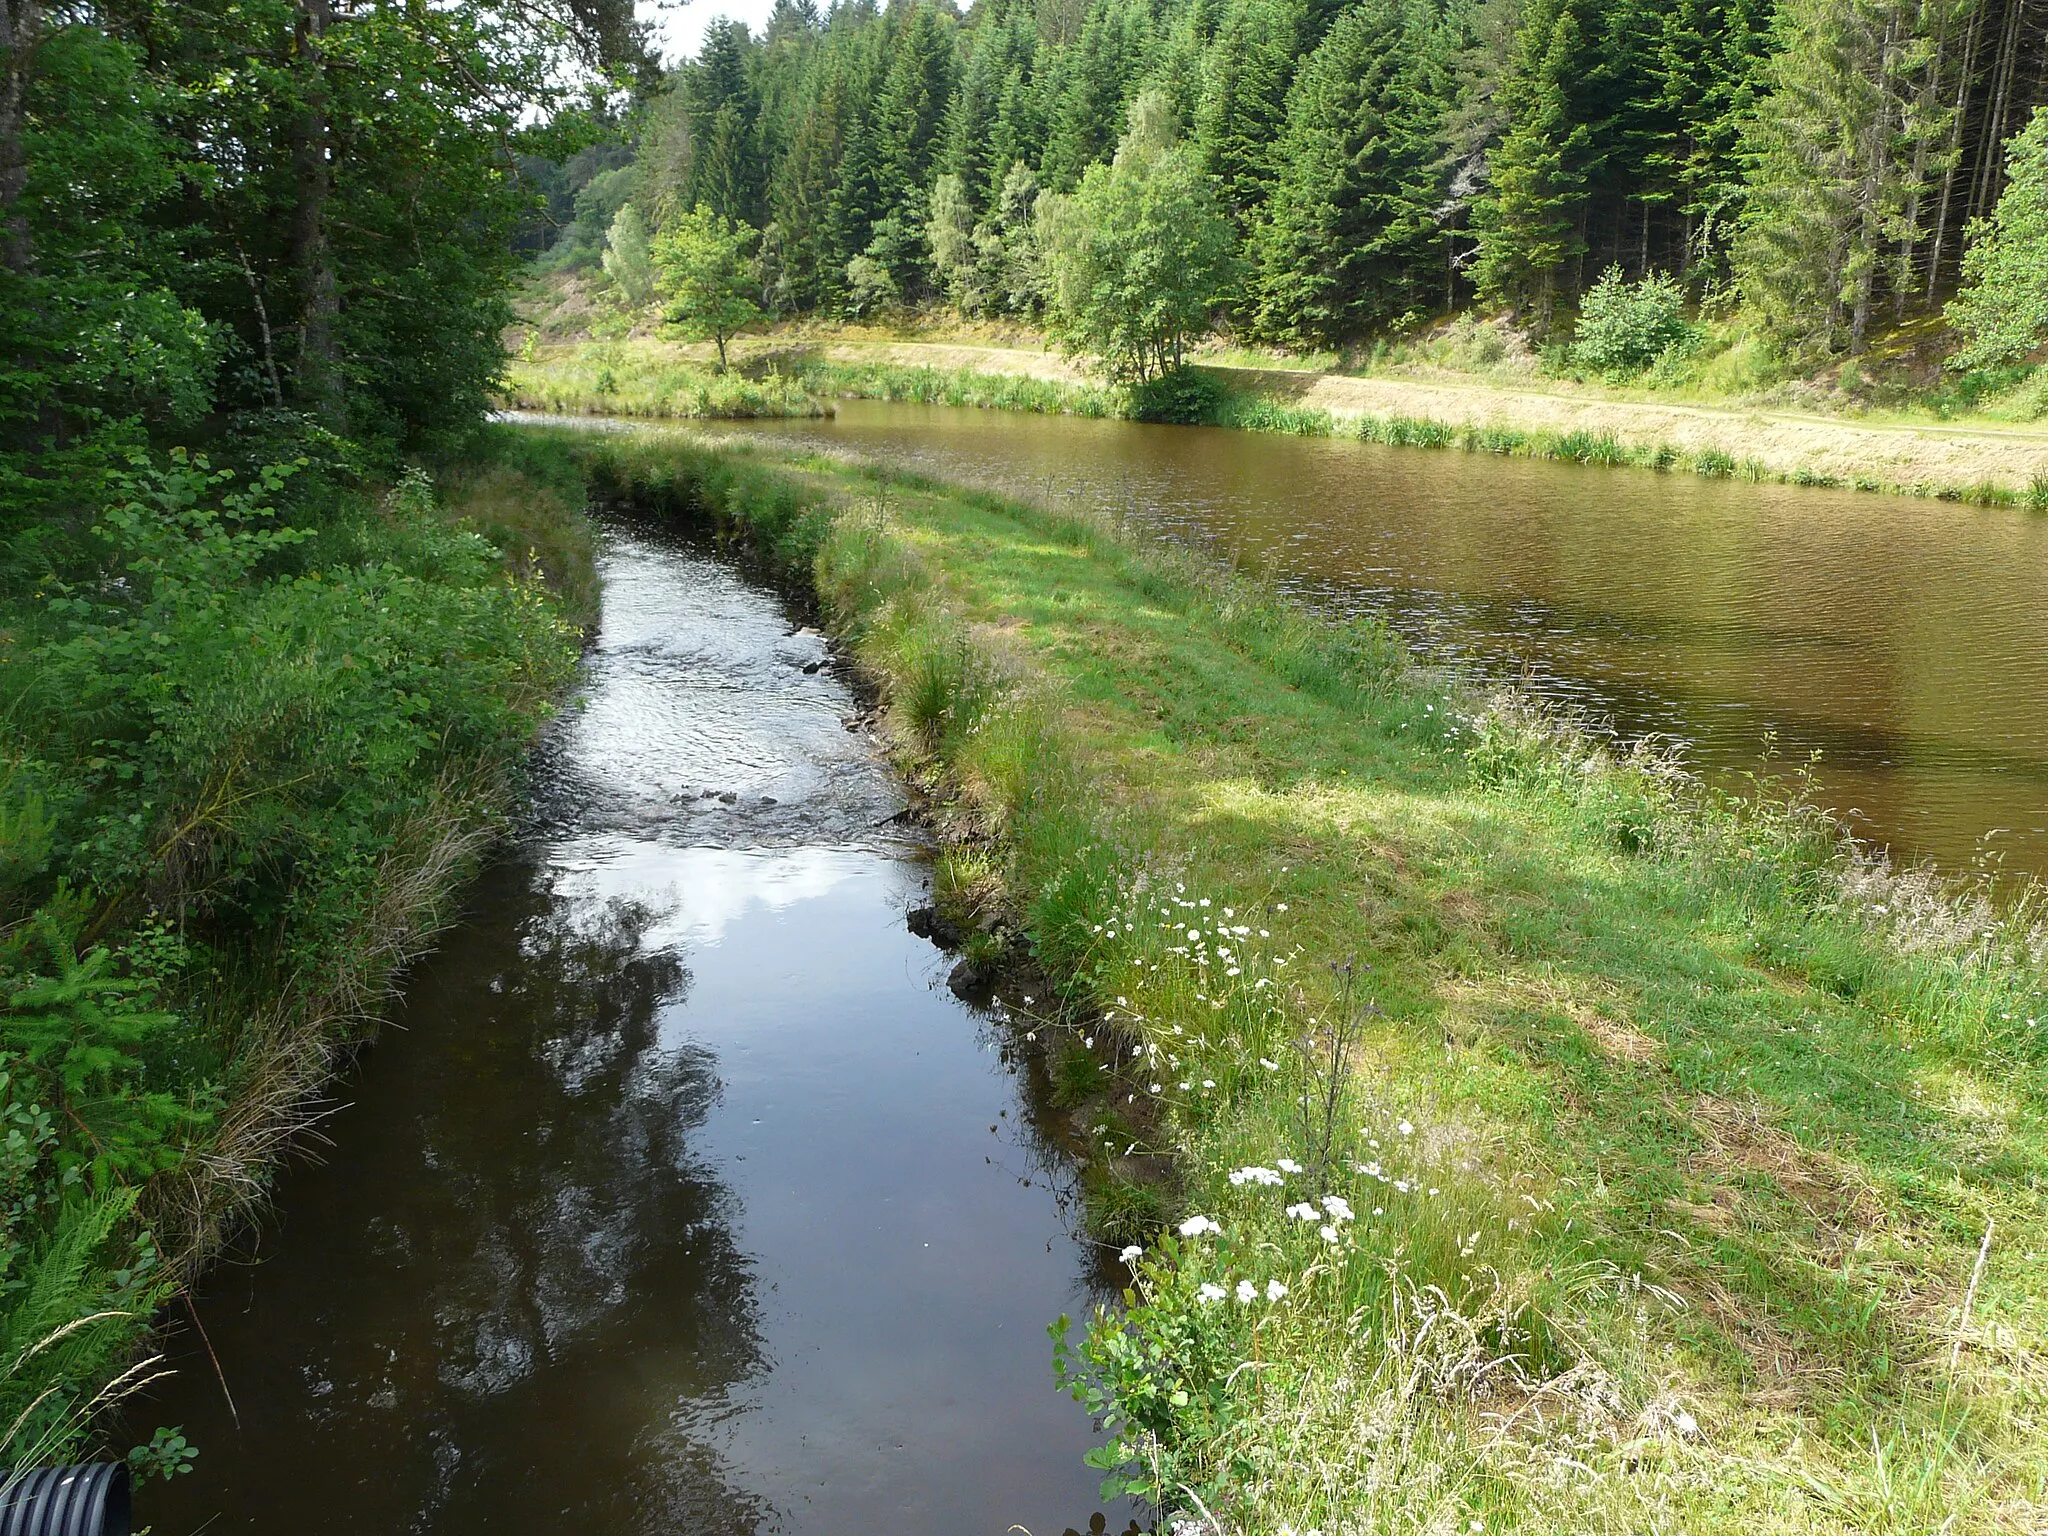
[628,257]
[1243,106]
[1529,222]
[1136,257]
[2002,311]
[1835,178]
[705,280]
[949,232]
[1348,231]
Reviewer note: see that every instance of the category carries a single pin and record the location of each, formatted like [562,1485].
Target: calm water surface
[1905,641]
[682,1198]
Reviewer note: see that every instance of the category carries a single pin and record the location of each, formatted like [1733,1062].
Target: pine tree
[1348,233]
[1529,222]
[1832,173]
[1090,77]
[1243,110]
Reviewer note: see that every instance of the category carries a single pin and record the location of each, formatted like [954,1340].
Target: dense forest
[1828,166]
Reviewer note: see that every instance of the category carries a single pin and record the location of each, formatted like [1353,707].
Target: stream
[680,1196]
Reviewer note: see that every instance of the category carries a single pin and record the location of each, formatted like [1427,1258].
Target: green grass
[1669,1128]
[626,378]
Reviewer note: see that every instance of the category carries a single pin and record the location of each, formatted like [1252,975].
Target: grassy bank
[1496,1133]
[648,378]
[256,731]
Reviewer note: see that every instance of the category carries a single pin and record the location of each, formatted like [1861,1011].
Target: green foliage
[1183,395]
[629,257]
[2002,312]
[1529,222]
[704,277]
[1137,257]
[249,730]
[1624,327]
[1355,204]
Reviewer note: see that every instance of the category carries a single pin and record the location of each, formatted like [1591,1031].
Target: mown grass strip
[1554,1145]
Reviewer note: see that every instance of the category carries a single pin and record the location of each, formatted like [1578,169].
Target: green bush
[1183,396]
[1624,327]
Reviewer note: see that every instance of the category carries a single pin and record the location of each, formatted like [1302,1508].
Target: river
[1902,640]
[680,1196]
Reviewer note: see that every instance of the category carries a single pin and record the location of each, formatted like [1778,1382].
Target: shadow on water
[681,1196]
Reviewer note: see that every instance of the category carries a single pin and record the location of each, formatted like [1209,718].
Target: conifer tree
[1348,232]
[1529,220]
[1243,110]
[1831,169]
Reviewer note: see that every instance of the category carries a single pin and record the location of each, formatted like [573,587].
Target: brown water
[682,1197]
[1905,641]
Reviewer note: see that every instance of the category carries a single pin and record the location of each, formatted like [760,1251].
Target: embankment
[258,736]
[1980,462]
[1556,1146]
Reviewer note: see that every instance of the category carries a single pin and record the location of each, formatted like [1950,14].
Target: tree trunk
[20,22]
[1953,155]
[318,383]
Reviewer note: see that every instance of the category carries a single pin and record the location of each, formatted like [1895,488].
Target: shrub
[1181,395]
[1624,327]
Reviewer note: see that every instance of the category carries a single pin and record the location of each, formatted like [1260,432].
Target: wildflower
[1270,1066]
[1275,1290]
[1153,1089]
[1132,1254]
[1247,1293]
[1254,1175]
[1210,1294]
[1289,1165]
[1281,908]
[1088,1041]
[1338,1207]
[1030,1034]
[1329,1233]
[1208,1082]
[1405,1128]
[1304,1212]
[1379,1210]
[1195,1226]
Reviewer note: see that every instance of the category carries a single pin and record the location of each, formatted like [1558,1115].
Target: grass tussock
[1552,1143]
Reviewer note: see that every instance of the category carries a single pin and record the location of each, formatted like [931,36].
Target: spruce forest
[1827,167]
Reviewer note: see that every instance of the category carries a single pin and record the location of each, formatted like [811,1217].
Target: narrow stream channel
[681,1196]
[1900,639]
